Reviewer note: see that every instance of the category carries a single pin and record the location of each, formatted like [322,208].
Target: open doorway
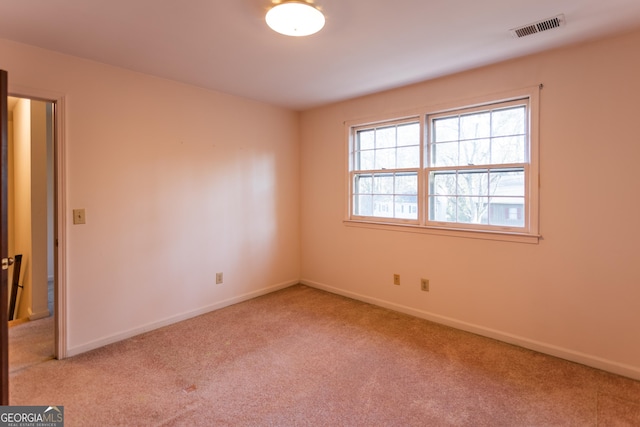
[31,220]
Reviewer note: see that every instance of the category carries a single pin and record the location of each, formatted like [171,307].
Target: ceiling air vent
[538,27]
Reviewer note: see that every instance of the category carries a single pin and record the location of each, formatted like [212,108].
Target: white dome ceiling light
[295,18]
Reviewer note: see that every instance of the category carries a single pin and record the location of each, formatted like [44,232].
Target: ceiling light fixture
[295,18]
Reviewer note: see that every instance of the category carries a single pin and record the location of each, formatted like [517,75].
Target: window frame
[418,170]
[529,233]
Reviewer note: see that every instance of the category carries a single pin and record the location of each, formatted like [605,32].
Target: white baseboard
[38,315]
[563,353]
[175,319]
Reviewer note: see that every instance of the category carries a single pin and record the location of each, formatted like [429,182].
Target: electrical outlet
[396,279]
[424,285]
[218,278]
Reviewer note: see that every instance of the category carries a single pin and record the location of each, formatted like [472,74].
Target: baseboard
[552,350]
[38,315]
[17,322]
[74,351]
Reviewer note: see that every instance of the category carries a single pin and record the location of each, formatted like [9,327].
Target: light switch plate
[79,216]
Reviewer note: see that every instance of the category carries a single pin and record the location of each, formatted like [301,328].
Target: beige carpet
[303,357]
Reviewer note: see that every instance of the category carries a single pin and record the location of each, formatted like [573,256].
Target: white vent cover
[538,27]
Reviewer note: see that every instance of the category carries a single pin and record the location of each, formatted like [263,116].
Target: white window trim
[498,233]
[419,170]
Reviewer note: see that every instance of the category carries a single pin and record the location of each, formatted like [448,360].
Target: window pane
[445,154]
[476,125]
[365,160]
[363,184]
[442,208]
[363,205]
[473,183]
[443,183]
[383,184]
[407,184]
[385,159]
[508,150]
[409,134]
[509,183]
[507,211]
[366,140]
[388,147]
[383,206]
[386,137]
[473,210]
[475,152]
[408,157]
[508,122]
[445,129]
[406,207]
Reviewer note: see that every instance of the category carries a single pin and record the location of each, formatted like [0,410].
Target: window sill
[452,232]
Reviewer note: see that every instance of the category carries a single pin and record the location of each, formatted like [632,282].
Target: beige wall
[28,204]
[28,208]
[50,129]
[20,211]
[178,183]
[576,293]
[38,306]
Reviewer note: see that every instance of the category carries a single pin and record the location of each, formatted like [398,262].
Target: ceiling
[366,45]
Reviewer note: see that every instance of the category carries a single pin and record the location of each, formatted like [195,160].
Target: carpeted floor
[304,357]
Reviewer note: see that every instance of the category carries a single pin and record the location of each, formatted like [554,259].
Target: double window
[471,167]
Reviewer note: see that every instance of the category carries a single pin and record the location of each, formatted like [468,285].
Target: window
[387,164]
[462,168]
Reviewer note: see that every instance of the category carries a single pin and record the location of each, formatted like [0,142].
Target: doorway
[31,220]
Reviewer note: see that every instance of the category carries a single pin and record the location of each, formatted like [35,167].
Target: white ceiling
[366,45]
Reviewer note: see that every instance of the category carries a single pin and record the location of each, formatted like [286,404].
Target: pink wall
[575,294]
[178,183]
